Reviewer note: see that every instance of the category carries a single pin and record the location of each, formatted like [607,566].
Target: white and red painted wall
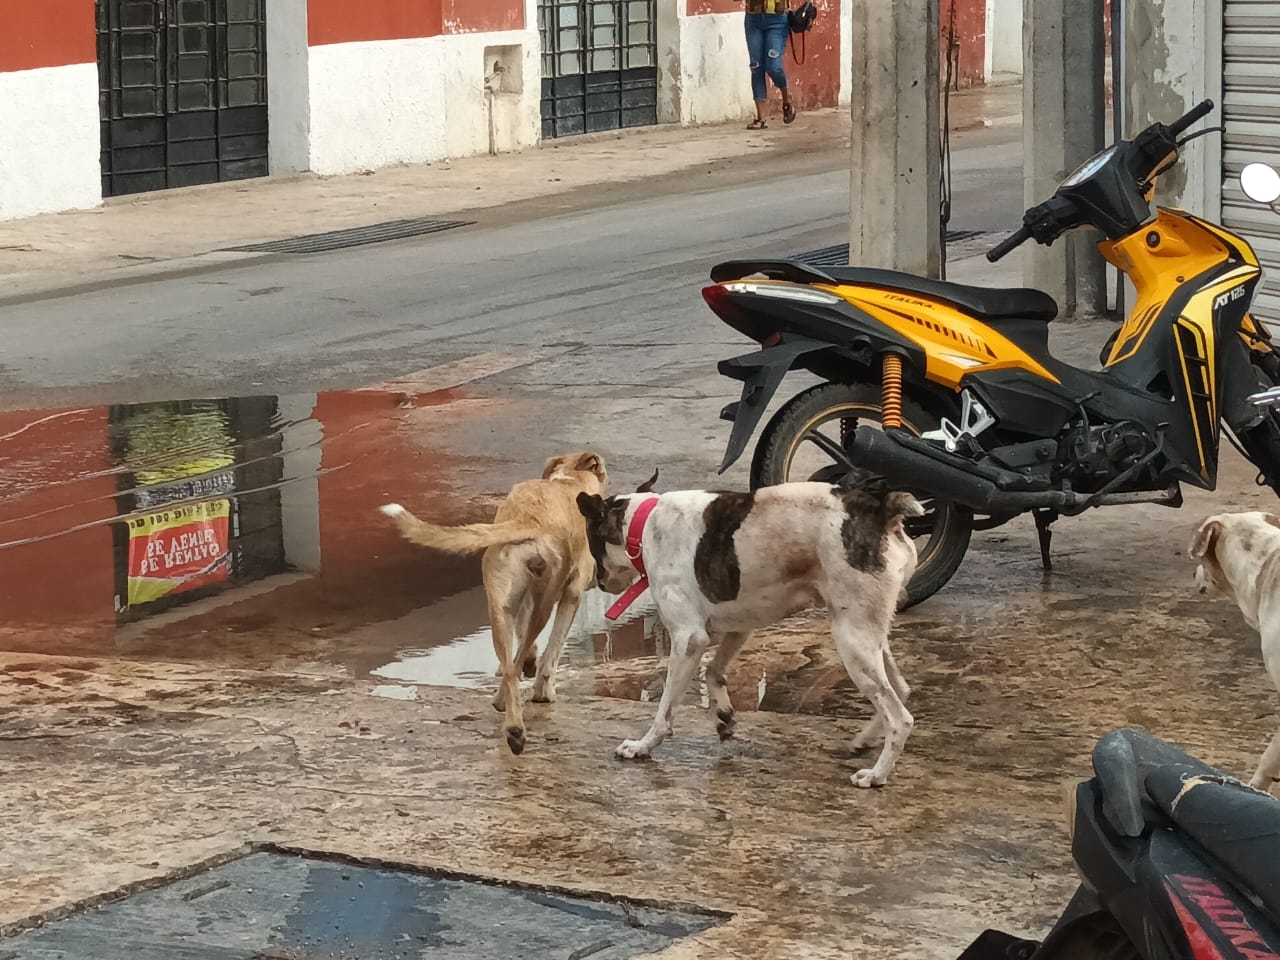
[49,137]
[355,86]
[382,82]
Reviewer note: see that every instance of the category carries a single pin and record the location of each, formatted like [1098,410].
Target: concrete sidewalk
[151,234]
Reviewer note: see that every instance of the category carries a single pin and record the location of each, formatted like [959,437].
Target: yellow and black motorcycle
[977,418]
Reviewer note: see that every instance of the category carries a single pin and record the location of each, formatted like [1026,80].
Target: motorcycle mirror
[1260,182]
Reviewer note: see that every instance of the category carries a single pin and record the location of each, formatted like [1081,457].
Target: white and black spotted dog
[720,565]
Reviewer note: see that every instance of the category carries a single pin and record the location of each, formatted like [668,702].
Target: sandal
[788,112]
[757,124]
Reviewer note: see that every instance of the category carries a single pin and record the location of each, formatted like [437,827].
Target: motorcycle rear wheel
[947,526]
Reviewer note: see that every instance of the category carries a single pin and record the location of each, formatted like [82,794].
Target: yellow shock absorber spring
[891,392]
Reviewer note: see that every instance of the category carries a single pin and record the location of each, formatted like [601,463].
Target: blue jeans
[766,42]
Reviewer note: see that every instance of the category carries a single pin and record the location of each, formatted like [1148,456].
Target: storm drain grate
[838,255]
[354,237]
[285,904]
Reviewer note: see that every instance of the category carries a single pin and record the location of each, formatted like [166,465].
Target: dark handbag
[800,20]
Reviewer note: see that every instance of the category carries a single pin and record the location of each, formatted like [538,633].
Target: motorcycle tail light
[715,296]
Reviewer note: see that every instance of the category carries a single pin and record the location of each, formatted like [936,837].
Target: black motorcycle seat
[1238,827]
[986,303]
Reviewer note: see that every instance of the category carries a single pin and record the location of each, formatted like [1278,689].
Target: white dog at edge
[1239,558]
[723,564]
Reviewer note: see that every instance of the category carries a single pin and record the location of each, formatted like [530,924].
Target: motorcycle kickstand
[1044,518]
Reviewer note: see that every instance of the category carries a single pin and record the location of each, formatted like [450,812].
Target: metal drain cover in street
[354,237]
[838,255]
[272,905]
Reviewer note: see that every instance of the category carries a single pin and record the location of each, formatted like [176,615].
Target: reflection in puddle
[469,661]
[246,532]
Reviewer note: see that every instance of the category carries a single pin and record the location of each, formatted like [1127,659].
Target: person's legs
[755,51]
[776,33]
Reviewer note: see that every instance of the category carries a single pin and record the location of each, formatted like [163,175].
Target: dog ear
[647,486]
[551,466]
[591,463]
[899,504]
[590,505]
[1205,539]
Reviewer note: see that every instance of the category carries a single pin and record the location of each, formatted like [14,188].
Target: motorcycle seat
[986,303]
[1237,826]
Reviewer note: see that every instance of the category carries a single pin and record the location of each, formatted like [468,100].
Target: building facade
[103,98]
[1177,53]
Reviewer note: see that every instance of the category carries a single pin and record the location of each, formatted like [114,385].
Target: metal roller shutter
[1251,106]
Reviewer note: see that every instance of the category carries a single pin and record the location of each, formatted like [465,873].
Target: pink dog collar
[635,535]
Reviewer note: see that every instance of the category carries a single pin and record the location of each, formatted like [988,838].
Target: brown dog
[535,557]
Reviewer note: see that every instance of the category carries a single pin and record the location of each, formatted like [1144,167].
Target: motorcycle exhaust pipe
[880,453]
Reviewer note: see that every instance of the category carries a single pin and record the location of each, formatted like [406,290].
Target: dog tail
[469,538]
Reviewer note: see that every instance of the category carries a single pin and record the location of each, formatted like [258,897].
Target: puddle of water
[469,661]
[280,905]
[245,531]
[240,528]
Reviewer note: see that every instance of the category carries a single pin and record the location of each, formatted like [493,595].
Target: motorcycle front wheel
[799,443]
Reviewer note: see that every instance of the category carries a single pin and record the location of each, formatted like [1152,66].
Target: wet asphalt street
[611,274]
[211,637]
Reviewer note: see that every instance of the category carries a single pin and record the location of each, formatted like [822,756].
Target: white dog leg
[730,644]
[874,728]
[1269,766]
[862,647]
[687,647]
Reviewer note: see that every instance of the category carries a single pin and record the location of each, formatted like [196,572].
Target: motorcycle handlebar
[1006,246]
[1198,112]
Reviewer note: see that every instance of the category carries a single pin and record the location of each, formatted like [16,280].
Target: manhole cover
[272,905]
[838,255]
[355,237]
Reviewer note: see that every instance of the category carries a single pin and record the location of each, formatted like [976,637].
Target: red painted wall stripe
[482,16]
[342,21]
[696,8]
[46,33]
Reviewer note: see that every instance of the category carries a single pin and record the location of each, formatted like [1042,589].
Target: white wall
[288,87]
[715,72]
[381,103]
[1004,39]
[50,141]
[845,97]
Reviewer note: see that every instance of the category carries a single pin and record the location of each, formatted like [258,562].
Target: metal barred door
[182,92]
[1251,109]
[599,65]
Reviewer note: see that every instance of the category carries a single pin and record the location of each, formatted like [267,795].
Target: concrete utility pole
[1062,126]
[895,189]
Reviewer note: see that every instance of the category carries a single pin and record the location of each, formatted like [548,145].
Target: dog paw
[632,750]
[868,778]
[515,739]
[725,722]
